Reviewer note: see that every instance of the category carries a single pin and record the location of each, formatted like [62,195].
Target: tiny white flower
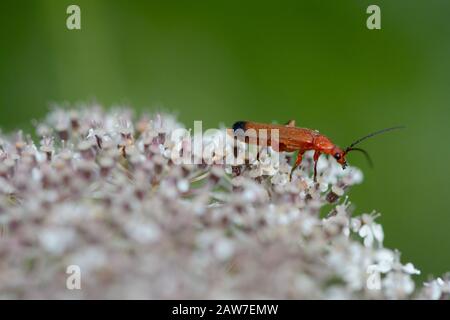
[410,269]
[223,249]
[57,240]
[370,231]
[142,232]
[183,185]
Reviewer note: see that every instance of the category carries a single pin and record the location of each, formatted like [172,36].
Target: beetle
[292,138]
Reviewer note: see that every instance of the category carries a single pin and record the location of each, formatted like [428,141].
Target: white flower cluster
[101,192]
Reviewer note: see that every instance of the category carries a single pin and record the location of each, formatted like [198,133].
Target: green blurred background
[221,61]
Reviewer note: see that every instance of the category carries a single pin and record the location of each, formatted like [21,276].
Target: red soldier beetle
[291,138]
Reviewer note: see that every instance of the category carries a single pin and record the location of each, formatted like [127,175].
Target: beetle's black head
[239,125]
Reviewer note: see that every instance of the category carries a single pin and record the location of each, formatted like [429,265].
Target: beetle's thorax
[323,144]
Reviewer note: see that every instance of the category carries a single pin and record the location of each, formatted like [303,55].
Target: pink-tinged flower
[102,191]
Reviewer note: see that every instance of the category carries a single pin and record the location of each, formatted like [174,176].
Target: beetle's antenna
[369,160]
[371,135]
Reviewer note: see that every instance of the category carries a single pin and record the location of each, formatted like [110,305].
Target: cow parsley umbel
[100,190]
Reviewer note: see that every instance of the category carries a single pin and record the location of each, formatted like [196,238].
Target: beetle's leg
[297,163]
[316,159]
[290,123]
